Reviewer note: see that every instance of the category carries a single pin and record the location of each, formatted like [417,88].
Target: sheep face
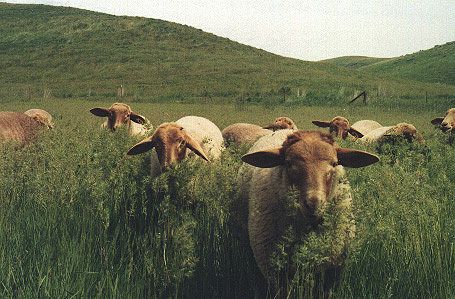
[282,123]
[447,123]
[339,126]
[310,160]
[171,142]
[117,115]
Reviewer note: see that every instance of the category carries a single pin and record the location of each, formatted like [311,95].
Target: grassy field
[80,219]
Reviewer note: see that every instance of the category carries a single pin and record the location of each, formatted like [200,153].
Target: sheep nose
[314,199]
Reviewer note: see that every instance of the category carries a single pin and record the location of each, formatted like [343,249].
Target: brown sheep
[174,141]
[19,127]
[120,114]
[339,126]
[282,123]
[311,163]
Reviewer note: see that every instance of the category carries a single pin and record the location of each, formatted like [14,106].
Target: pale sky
[305,29]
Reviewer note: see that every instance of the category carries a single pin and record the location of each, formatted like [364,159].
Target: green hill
[436,65]
[72,53]
[354,62]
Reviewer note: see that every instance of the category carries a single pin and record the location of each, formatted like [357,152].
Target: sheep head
[447,123]
[118,114]
[171,142]
[282,123]
[339,126]
[310,160]
[41,116]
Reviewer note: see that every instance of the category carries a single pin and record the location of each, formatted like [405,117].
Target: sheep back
[243,133]
[205,132]
[18,127]
[365,126]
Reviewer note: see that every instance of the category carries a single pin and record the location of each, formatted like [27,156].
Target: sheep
[19,127]
[309,162]
[447,123]
[41,116]
[338,126]
[121,114]
[282,123]
[365,126]
[408,131]
[173,142]
[243,133]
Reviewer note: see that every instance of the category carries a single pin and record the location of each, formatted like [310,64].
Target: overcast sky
[309,30]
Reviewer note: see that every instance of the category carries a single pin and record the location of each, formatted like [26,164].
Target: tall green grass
[80,219]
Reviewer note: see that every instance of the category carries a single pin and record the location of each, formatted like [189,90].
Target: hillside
[436,65]
[72,53]
[354,62]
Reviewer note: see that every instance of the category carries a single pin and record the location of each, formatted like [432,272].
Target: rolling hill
[435,65]
[72,53]
[354,62]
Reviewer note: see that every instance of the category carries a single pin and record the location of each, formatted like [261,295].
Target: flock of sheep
[281,157]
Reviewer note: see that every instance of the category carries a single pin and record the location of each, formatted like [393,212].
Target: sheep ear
[437,121]
[355,133]
[355,158]
[137,118]
[321,124]
[265,159]
[142,147]
[195,147]
[102,112]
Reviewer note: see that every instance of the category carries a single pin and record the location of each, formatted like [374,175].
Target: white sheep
[447,123]
[408,131]
[339,126]
[365,126]
[282,123]
[19,127]
[120,114]
[41,116]
[174,141]
[243,133]
[309,162]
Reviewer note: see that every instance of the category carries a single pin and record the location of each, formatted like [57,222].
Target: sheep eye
[334,164]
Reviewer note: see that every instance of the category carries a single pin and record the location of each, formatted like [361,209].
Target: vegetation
[355,62]
[434,65]
[80,219]
[57,52]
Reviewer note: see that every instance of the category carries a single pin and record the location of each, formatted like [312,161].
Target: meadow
[81,219]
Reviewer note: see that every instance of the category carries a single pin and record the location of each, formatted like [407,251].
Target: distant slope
[354,61]
[436,65]
[68,52]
